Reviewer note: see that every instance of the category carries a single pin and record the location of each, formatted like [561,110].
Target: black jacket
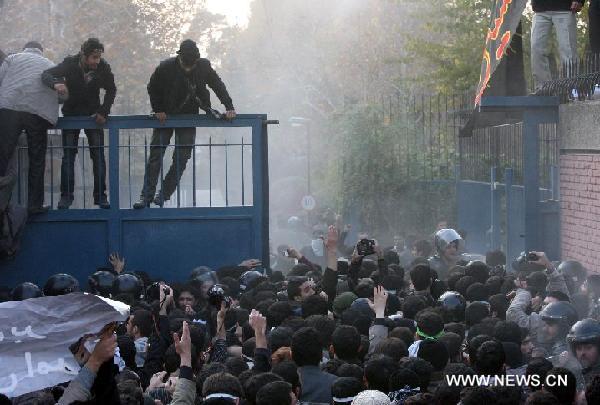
[170,88]
[553,5]
[84,99]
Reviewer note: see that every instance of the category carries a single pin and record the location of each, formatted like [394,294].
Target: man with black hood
[80,78]
[178,86]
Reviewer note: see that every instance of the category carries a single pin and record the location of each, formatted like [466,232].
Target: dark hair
[477,396]
[473,345]
[564,393]
[324,326]
[350,370]
[490,358]
[378,371]
[421,367]
[90,46]
[256,382]
[295,323]
[592,391]
[462,284]
[508,331]
[346,342]
[34,44]
[306,347]
[540,397]
[346,387]
[478,270]
[404,333]
[559,295]
[429,323]
[453,342]
[508,395]
[143,320]
[423,398]
[206,371]
[222,383]
[401,378]
[392,347]
[420,276]
[434,352]
[514,356]
[130,392]
[457,328]
[236,365]
[476,312]
[494,284]
[477,292]
[423,247]
[280,337]
[499,304]
[278,312]
[293,286]
[127,350]
[495,258]
[538,366]
[275,393]
[314,305]
[288,371]
[412,305]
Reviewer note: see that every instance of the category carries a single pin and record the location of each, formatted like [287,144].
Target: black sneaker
[102,202]
[142,203]
[65,202]
[159,199]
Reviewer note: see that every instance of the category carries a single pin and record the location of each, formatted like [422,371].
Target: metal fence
[427,129]
[502,147]
[577,79]
[218,173]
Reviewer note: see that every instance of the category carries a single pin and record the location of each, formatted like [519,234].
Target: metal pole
[508,192]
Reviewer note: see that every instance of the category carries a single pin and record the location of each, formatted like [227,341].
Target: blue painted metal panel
[164,242]
[474,208]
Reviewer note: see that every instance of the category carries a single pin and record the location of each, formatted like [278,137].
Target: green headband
[426,336]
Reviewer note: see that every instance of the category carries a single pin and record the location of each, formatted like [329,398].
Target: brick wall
[580,208]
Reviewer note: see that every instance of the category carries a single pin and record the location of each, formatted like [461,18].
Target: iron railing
[577,79]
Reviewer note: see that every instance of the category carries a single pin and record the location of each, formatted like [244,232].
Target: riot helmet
[25,291]
[61,284]
[251,279]
[203,274]
[445,237]
[574,273]
[127,284]
[101,283]
[585,331]
[561,313]
[453,306]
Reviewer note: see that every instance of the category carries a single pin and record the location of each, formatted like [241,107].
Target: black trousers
[12,123]
[594,25]
[95,139]
[161,137]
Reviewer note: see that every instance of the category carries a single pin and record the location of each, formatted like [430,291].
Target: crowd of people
[372,325]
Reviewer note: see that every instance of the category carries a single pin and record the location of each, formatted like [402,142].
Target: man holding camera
[178,86]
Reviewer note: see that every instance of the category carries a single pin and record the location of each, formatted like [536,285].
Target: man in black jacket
[80,77]
[560,14]
[178,86]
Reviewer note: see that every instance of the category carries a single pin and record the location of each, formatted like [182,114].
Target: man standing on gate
[27,105]
[178,86]
[81,77]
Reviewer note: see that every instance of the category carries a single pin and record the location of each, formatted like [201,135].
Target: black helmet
[585,331]
[202,274]
[453,305]
[127,284]
[250,279]
[560,312]
[25,291]
[101,283]
[61,284]
[444,237]
[574,270]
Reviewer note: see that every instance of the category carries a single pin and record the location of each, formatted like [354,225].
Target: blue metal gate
[165,242]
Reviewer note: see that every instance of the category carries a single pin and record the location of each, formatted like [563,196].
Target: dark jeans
[95,139]
[184,139]
[12,123]
[594,26]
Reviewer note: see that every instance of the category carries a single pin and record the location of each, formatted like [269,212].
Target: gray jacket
[21,87]
[316,384]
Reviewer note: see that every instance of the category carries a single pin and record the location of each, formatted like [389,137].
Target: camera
[166,291]
[365,247]
[216,295]
[532,257]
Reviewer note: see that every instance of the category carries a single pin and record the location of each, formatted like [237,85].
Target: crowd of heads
[391,327]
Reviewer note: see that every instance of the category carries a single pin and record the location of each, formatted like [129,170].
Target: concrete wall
[580,182]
